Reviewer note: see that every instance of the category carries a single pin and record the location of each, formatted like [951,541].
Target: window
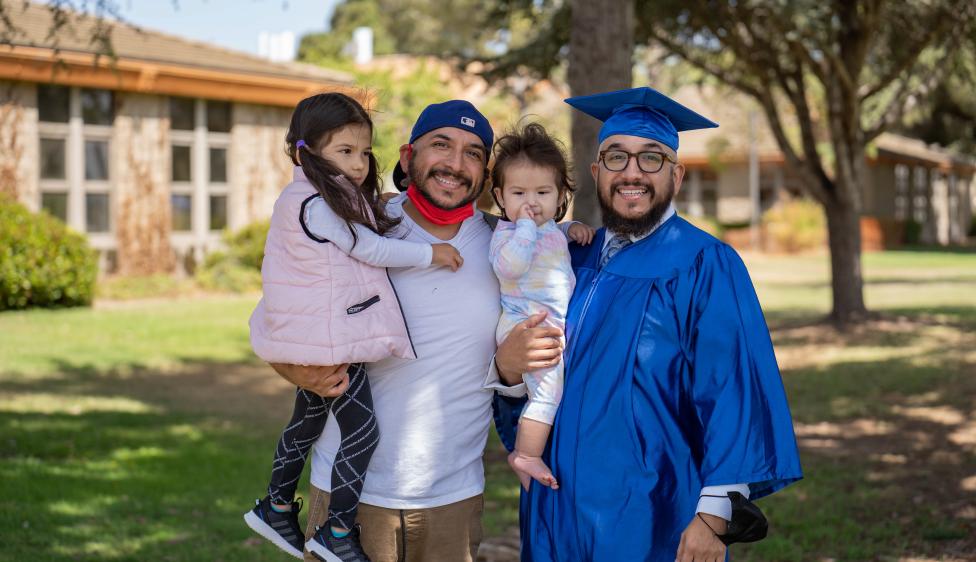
[200,167]
[97,107]
[920,200]
[56,204]
[96,212]
[218,116]
[181,163]
[52,159]
[53,103]
[182,207]
[78,189]
[181,114]
[218,212]
[218,165]
[96,160]
[902,200]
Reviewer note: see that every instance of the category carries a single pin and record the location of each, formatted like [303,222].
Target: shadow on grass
[875,282]
[141,464]
[889,454]
[937,249]
[248,390]
[137,464]
[953,316]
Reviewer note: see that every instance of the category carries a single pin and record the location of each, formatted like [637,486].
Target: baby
[530,255]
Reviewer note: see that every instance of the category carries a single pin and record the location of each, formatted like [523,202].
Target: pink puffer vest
[321,306]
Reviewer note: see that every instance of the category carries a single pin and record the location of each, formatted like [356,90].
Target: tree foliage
[839,73]
[845,71]
[948,116]
[104,12]
[420,27]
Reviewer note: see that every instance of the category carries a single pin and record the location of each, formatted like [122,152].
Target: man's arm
[712,518]
[326,381]
[698,541]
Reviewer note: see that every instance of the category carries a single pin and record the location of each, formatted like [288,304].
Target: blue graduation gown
[671,385]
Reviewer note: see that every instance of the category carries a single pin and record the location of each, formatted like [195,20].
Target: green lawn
[142,431]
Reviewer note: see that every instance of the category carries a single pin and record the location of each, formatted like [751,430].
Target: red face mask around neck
[434,214]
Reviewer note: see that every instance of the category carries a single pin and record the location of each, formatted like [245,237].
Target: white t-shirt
[433,411]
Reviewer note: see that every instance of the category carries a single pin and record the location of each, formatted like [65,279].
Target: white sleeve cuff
[720,506]
[493,382]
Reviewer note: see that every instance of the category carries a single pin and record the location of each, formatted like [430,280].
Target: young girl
[328,301]
[530,256]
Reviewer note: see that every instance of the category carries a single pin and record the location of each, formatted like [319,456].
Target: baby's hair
[313,123]
[532,143]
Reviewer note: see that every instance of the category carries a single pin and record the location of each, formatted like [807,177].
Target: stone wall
[140,178]
[259,167]
[19,170]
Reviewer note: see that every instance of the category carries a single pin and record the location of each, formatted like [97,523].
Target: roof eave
[71,68]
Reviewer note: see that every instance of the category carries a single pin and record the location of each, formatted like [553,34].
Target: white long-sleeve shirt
[323,223]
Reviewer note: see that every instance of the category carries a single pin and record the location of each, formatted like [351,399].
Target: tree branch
[912,51]
[700,61]
[813,176]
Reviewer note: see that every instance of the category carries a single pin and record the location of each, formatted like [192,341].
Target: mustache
[461,178]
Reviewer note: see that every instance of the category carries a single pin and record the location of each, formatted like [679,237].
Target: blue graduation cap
[641,112]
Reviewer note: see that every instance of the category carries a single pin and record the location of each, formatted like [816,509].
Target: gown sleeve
[746,430]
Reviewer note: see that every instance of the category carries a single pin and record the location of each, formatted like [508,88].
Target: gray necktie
[616,244]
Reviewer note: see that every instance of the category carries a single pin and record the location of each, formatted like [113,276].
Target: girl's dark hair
[532,143]
[314,121]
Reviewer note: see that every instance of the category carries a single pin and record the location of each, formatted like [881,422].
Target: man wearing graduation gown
[672,394]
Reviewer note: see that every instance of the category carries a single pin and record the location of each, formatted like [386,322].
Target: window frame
[75,133]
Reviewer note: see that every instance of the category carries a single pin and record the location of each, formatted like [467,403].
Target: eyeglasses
[649,161]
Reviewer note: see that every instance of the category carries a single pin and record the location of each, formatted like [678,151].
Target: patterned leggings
[353,412]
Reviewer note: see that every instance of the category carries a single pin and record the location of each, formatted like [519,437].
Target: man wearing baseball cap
[423,495]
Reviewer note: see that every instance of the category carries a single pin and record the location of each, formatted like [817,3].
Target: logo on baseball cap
[449,114]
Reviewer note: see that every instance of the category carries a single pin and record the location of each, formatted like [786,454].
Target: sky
[234,24]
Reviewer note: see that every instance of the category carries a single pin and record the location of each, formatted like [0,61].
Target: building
[151,153]
[911,185]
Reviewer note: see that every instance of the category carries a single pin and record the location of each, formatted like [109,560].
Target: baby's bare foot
[527,467]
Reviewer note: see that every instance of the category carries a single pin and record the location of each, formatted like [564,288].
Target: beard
[636,226]
[421,182]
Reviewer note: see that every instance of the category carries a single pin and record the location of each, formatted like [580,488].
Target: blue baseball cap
[641,112]
[459,114]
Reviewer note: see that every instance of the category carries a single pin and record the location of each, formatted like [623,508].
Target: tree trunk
[847,280]
[601,48]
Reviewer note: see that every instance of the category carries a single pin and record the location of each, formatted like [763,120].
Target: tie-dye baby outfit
[535,274]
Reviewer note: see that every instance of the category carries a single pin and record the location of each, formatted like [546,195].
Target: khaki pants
[449,533]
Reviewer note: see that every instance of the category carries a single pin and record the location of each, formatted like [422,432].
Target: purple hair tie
[300,144]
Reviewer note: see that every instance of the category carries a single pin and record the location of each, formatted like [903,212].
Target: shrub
[913,232]
[237,269]
[795,226]
[42,262]
[247,244]
[221,272]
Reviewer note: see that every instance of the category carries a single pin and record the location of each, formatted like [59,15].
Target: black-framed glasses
[649,161]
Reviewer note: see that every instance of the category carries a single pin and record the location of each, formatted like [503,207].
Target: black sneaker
[331,549]
[281,528]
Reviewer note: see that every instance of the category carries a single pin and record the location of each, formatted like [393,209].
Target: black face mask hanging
[748,523]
